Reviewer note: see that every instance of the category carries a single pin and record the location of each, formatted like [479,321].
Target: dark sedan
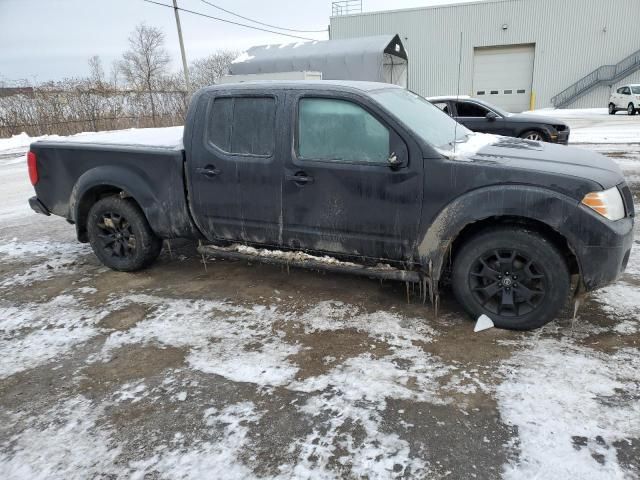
[483,117]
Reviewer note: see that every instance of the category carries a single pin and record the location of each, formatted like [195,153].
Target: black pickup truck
[369,174]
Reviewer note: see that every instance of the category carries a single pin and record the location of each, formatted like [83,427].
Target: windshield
[636,90]
[422,117]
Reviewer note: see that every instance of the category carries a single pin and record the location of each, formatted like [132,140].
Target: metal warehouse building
[519,54]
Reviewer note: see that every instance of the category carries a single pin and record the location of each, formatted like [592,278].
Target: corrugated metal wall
[572,38]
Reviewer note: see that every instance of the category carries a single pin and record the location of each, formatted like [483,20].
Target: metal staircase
[606,74]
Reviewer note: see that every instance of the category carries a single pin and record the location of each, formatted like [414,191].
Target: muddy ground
[242,370]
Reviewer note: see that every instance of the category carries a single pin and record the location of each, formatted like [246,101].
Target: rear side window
[468,109]
[243,125]
[341,131]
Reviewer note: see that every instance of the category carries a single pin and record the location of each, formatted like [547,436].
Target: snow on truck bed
[166,137]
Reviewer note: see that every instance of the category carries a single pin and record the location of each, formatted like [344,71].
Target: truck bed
[147,165]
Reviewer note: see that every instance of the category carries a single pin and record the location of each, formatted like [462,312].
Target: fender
[167,215]
[551,208]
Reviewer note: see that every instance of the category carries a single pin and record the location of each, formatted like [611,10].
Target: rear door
[340,193]
[235,167]
[474,116]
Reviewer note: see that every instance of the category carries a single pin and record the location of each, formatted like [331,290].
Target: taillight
[33,168]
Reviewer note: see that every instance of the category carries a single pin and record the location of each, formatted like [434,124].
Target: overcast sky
[52,39]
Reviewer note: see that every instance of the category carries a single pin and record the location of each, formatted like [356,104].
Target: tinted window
[620,90]
[243,125]
[626,91]
[338,130]
[468,109]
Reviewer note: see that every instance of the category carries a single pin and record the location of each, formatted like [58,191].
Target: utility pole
[184,55]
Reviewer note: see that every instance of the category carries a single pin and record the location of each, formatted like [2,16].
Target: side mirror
[491,116]
[394,161]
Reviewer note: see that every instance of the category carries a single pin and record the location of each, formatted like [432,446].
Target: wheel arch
[536,208]
[107,181]
[552,235]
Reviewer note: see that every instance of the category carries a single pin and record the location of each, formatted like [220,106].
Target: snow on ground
[569,407]
[595,125]
[51,259]
[34,333]
[63,442]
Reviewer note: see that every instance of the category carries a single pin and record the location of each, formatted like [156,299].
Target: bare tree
[206,71]
[96,73]
[146,61]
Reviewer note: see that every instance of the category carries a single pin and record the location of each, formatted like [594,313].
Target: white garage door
[503,76]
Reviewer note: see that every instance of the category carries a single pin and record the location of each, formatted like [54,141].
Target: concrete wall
[572,38]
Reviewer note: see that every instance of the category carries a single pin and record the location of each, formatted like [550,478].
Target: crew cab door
[478,118]
[341,193]
[235,166]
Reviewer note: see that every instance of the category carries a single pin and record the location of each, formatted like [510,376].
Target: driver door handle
[208,171]
[299,178]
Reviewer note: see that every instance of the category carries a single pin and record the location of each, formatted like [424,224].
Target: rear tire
[120,235]
[534,136]
[516,277]
[612,109]
[631,109]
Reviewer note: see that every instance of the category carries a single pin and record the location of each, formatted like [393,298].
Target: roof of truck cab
[302,84]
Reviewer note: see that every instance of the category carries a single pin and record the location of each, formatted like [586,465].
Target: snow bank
[577,112]
[615,133]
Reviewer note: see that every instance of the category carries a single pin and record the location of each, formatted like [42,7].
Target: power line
[261,23]
[229,21]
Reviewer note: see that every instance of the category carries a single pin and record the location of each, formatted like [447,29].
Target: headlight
[607,203]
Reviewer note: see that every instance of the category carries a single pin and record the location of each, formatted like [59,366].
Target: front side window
[621,90]
[243,125]
[468,109]
[626,91]
[339,130]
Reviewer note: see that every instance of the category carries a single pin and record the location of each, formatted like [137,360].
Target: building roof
[301,84]
[359,58]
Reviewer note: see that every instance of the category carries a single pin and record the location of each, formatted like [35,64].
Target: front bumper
[38,207]
[604,263]
[562,137]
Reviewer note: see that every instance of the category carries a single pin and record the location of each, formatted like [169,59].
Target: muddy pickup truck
[359,177]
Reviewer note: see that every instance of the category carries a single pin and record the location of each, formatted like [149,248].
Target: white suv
[625,98]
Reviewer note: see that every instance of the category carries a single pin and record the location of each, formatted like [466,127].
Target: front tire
[612,109]
[534,136]
[120,235]
[516,277]
[631,109]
